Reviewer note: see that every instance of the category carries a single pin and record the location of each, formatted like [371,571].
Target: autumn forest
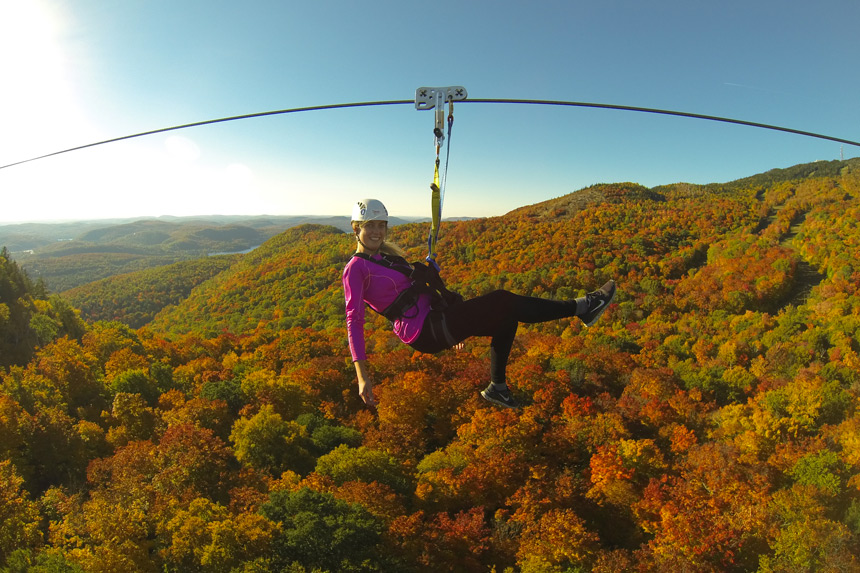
[203,415]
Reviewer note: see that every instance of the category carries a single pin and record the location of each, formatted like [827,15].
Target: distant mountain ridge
[67,255]
[18,237]
[283,260]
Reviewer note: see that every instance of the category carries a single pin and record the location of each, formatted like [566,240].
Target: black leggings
[497,315]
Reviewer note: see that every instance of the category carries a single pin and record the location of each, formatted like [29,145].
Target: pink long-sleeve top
[367,282]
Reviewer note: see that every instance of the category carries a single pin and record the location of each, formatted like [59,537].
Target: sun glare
[37,96]
[182,148]
[27,32]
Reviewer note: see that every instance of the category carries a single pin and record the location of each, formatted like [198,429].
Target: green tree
[135,382]
[29,317]
[269,443]
[363,464]
[320,532]
[327,436]
[820,469]
[230,391]
[47,561]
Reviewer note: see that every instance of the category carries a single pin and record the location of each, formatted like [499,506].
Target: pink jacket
[378,286]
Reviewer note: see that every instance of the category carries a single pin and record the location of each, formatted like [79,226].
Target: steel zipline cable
[472,100]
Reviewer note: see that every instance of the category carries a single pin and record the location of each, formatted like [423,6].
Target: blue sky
[81,71]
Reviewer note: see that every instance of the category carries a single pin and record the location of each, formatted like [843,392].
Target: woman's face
[372,234]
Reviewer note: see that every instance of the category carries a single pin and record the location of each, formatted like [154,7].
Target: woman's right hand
[365,383]
[365,390]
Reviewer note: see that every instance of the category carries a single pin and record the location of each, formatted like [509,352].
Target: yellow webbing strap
[436,188]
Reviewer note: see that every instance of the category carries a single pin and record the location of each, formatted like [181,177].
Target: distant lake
[245,252]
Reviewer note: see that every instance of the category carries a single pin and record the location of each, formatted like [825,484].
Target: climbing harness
[425,280]
[435,98]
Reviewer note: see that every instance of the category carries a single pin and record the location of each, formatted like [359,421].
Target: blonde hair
[385,248]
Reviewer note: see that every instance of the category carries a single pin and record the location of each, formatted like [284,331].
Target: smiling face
[371,235]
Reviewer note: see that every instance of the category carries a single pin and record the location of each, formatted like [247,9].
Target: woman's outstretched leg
[498,314]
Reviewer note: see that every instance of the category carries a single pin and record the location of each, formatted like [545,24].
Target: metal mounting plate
[428,98]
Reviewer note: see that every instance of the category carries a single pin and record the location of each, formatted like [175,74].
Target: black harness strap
[425,280]
[393,262]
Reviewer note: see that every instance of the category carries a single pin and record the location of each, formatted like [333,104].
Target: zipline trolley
[435,98]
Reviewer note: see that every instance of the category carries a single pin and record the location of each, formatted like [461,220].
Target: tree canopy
[708,422]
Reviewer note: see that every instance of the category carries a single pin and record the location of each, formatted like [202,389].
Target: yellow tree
[76,374]
[558,541]
[112,528]
[176,410]
[207,537]
[19,516]
[16,429]
[131,419]
[804,538]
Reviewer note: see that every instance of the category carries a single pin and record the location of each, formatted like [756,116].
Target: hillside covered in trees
[708,422]
[70,254]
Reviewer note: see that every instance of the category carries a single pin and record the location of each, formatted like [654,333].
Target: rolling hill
[135,298]
[688,220]
[70,254]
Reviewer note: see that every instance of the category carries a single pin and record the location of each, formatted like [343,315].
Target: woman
[378,277]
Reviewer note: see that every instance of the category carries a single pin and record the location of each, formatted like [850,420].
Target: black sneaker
[499,397]
[597,302]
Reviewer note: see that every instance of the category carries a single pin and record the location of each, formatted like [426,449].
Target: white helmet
[369,210]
